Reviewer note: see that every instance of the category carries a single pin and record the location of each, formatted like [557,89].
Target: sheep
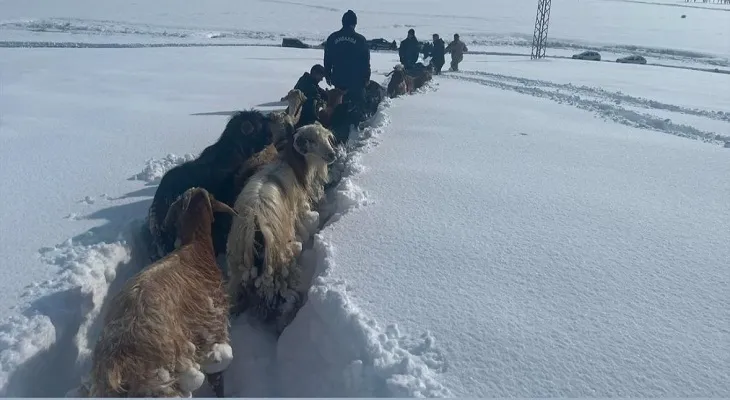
[334,98]
[400,83]
[168,328]
[272,207]
[246,133]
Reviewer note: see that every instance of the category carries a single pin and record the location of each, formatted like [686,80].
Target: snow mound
[355,357]
[157,167]
[46,350]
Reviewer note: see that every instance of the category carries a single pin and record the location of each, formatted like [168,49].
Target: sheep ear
[247,127]
[300,145]
[217,206]
[173,213]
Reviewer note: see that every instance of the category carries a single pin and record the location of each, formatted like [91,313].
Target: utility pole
[539,38]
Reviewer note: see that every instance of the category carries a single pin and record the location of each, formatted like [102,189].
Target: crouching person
[438,54]
[316,96]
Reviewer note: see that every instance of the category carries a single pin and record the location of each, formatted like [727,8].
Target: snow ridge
[524,40]
[155,169]
[108,28]
[44,352]
[332,349]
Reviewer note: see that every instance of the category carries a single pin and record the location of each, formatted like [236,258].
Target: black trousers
[437,64]
[350,112]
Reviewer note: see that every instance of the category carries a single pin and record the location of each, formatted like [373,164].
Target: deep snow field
[552,228]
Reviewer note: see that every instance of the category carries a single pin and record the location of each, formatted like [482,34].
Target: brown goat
[334,98]
[421,77]
[400,83]
[167,329]
[295,99]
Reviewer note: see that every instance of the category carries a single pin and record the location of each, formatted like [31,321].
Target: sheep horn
[173,213]
[247,127]
[218,206]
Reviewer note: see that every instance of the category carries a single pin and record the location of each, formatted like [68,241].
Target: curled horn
[247,127]
[177,207]
[218,206]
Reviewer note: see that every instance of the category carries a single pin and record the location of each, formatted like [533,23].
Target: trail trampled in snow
[479,242]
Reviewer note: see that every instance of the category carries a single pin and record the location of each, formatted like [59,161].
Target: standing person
[409,50]
[438,54]
[347,61]
[316,96]
[457,48]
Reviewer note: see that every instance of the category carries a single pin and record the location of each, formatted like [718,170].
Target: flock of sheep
[245,197]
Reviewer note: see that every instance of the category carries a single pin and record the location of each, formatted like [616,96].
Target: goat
[374,95]
[246,133]
[422,75]
[400,83]
[334,98]
[271,208]
[230,189]
[296,99]
[170,321]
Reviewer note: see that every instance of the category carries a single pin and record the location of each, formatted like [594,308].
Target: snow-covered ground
[520,228]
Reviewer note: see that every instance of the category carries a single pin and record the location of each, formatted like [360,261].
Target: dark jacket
[408,51]
[315,97]
[438,54]
[347,59]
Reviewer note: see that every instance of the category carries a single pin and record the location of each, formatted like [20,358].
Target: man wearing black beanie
[347,60]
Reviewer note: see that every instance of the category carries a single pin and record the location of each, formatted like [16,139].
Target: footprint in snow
[87,200]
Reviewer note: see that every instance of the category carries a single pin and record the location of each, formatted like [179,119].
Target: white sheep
[273,207]
[168,327]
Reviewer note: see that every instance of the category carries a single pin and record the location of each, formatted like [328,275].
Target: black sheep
[246,133]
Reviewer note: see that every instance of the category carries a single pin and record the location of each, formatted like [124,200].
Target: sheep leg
[216,382]
[217,360]
[288,311]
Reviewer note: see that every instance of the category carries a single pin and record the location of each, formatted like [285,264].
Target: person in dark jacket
[347,61]
[316,96]
[438,54]
[409,50]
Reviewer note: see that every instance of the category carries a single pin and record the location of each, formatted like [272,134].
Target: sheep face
[295,95]
[315,140]
[190,202]
[296,99]
[280,126]
[246,131]
[335,96]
